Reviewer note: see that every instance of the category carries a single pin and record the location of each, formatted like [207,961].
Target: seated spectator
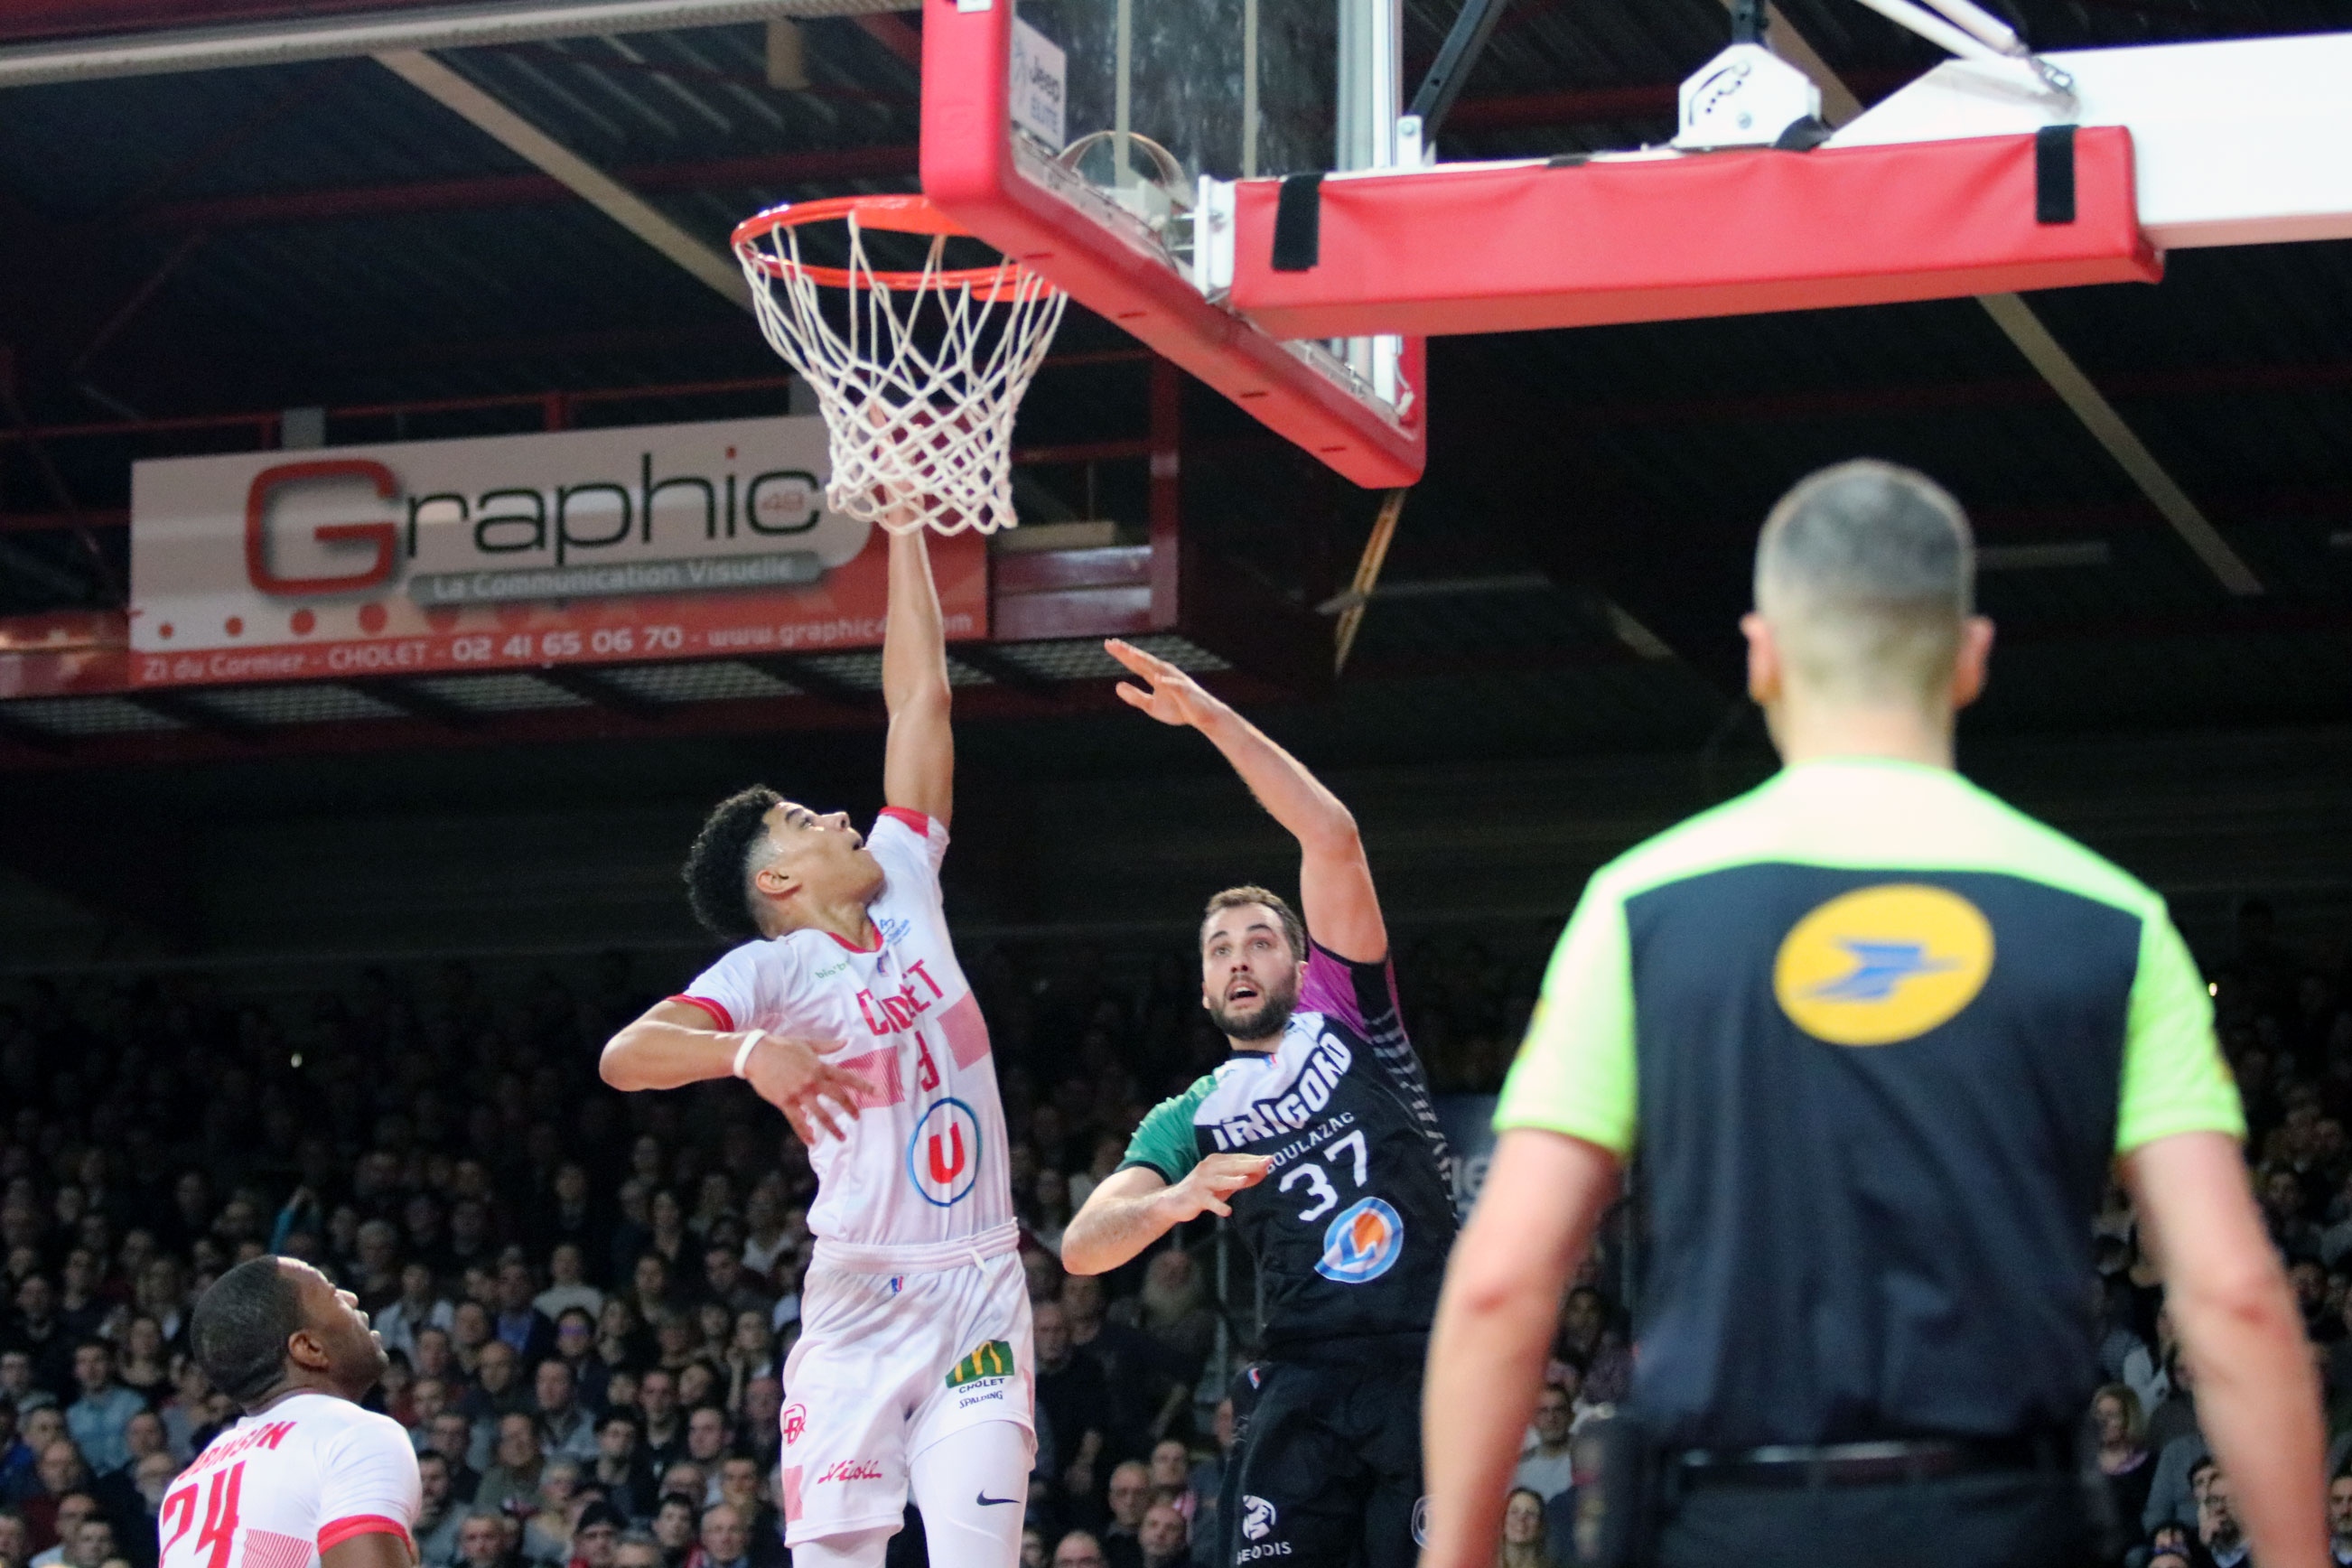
[564,1429]
[1545,1466]
[1079,1550]
[621,1343]
[687,1480]
[1033,1547]
[1129,1498]
[1163,1538]
[418,1307]
[523,1327]
[1070,1389]
[706,1438]
[635,1549]
[1208,1481]
[151,1477]
[499,1389]
[676,1518]
[2175,1417]
[105,1408]
[2218,1529]
[482,1542]
[596,1538]
[512,1482]
[760,1429]
[440,1516]
[1172,1478]
[15,1540]
[43,1337]
[16,1455]
[725,1282]
[743,1487]
[547,1533]
[1523,1532]
[451,1436]
[750,1353]
[146,1362]
[567,1284]
[1143,1397]
[63,1477]
[576,1344]
[67,1513]
[2339,1517]
[620,1465]
[1173,1309]
[89,1545]
[664,1430]
[2124,1457]
[726,1539]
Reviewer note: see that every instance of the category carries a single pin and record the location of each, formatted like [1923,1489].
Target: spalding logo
[1883,965]
[1361,1243]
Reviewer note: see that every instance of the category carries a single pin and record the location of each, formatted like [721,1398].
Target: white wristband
[743,1052]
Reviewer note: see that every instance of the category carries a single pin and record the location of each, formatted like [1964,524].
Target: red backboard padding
[1522,247]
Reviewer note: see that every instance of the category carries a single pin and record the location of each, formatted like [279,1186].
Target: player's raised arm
[1335,881]
[919,765]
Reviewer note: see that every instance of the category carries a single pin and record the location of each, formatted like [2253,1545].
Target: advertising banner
[580,546]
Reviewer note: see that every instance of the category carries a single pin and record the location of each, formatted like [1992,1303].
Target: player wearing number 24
[1317,1138]
[306,1479]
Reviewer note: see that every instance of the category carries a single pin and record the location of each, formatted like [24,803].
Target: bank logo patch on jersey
[1362,1242]
[993,1360]
[795,1422]
[1882,964]
[943,1156]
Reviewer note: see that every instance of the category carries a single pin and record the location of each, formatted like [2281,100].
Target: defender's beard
[1262,1019]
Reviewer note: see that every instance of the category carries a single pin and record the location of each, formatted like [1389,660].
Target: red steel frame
[968,171]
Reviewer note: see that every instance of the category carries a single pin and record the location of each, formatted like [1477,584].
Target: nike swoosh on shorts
[988,1501]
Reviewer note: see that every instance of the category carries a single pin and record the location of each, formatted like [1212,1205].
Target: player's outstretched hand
[1212,1181]
[1173,696]
[814,1096]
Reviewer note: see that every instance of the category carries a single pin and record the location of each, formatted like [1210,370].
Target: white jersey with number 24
[281,1489]
[923,1165]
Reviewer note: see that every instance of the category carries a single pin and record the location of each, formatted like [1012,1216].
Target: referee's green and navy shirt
[1877,1037]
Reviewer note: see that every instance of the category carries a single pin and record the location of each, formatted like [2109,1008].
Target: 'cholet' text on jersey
[924,1161]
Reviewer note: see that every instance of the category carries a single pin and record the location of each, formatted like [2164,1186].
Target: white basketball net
[920,430]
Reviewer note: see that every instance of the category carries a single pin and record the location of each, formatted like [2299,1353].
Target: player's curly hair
[717,869]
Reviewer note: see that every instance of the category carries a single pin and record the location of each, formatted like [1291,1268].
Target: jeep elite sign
[603,547]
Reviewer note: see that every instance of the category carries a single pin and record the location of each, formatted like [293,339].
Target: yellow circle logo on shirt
[1882,964]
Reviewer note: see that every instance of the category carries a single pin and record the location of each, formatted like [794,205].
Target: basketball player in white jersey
[306,1478]
[846,1010]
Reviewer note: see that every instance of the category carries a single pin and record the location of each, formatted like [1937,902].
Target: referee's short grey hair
[1865,572]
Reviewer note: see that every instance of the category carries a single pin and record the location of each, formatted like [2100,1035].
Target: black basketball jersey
[1351,1227]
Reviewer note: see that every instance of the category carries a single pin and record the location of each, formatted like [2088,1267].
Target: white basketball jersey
[924,1162]
[281,1489]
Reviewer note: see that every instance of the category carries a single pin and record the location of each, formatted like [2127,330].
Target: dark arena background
[323,965]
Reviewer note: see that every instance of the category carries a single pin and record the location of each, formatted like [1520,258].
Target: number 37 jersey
[282,1488]
[923,1165]
[1351,1226]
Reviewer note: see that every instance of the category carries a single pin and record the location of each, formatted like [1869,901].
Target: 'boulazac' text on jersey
[1351,1226]
[924,1161]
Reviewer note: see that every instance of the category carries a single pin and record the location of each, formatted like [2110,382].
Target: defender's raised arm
[919,765]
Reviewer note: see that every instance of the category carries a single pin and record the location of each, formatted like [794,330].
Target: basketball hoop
[920,388]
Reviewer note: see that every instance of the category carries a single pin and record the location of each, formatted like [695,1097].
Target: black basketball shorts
[1326,1467]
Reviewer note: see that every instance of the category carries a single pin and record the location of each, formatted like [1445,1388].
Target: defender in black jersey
[1318,1139]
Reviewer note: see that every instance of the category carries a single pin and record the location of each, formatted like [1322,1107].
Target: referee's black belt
[1872,1464]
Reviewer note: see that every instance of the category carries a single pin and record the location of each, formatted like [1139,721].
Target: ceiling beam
[2025,329]
[286,39]
[707,264]
[473,192]
[602,691]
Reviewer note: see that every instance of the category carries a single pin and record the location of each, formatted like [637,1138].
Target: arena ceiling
[182,257]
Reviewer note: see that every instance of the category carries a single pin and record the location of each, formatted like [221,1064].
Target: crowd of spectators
[589,1298]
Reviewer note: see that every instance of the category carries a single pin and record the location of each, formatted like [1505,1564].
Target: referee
[1877,1039]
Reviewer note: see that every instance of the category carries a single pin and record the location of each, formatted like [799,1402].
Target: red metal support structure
[1167,489]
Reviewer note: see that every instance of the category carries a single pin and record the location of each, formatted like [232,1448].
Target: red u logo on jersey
[943,1156]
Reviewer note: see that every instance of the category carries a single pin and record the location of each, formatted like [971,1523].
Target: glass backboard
[1113,120]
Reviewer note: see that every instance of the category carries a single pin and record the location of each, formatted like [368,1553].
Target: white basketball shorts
[886,1367]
